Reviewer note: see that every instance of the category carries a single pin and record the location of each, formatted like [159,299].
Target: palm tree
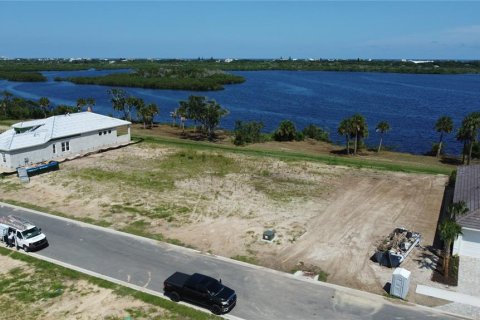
[119,102]
[360,129]
[449,232]
[470,125]
[174,114]
[152,110]
[457,209]
[444,125]
[44,104]
[462,136]
[382,127]
[90,104]
[81,102]
[345,129]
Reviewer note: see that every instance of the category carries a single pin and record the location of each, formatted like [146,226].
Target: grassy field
[303,151]
[35,288]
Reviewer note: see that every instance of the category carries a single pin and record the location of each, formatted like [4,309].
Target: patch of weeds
[285,189]
[140,228]
[101,223]
[137,313]
[265,173]
[247,259]
[10,186]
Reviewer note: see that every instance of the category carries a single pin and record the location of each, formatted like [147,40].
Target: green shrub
[313,132]
[285,132]
[247,132]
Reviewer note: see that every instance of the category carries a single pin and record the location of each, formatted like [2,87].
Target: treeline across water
[164,78]
[29,69]
[205,116]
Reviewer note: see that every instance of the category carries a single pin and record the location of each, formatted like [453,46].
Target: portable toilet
[400,283]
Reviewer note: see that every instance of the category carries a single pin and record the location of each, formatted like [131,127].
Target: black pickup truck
[201,290]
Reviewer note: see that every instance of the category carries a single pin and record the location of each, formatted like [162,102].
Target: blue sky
[248,29]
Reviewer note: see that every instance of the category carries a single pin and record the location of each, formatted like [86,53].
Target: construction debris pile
[394,249]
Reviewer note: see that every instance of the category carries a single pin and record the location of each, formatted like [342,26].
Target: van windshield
[30,233]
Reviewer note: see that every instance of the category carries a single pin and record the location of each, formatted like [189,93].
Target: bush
[247,132]
[299,136]
[313,132]
[433,151]
[452,178]
[285,132]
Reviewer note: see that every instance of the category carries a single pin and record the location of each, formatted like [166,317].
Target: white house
[59,137]
[467,188]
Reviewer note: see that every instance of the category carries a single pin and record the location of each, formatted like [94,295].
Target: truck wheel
[25,248]
[174,296]
[216,309]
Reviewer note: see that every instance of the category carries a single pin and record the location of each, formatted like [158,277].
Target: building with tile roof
[58,137]
[467,189]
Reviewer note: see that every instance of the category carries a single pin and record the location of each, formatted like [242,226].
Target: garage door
[470,245]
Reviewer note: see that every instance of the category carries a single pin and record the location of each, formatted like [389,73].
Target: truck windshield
[214,287]
[30,233]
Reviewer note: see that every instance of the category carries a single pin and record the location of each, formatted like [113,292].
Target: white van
[26,235]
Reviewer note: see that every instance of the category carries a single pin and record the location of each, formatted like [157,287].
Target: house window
[3,157]
[109,131]
[100,133]
[65,146]
[105,132]
[54,148]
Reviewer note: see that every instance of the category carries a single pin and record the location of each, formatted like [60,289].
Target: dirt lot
[31,293]
[328,216]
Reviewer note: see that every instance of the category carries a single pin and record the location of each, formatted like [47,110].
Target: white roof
[44,130]
[403,272]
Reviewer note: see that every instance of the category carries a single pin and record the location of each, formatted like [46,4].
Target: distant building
[59,137]
[467,189]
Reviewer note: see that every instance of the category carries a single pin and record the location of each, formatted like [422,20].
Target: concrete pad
[448,295]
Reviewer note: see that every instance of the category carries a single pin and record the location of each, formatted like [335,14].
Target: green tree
[210,115]
[286,131]
[470,126]
[382,128]
[6,102]
[119,102]
[247,132]
[174,115]
[44,104]
[313,132]
[207,113]
[449,231]
[81,102]
[90,102]
[457,209]
[360,128]
[345,128]
[192,108]
[444,125]
[141,109]
[462,136]
[152,110]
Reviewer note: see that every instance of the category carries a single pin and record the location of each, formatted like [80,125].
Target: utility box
[268,235]
[400,283]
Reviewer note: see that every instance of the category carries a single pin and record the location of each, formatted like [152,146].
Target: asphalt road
[262,293]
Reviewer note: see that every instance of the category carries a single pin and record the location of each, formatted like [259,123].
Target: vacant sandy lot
[78,300]
[327,216]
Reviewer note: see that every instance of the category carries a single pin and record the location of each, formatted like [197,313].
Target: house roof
[38,132]
[467,188]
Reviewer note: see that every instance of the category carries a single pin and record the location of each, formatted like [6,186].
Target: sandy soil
[327,216]
[80,300]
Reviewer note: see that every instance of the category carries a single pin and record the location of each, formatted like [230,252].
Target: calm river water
[411,103]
